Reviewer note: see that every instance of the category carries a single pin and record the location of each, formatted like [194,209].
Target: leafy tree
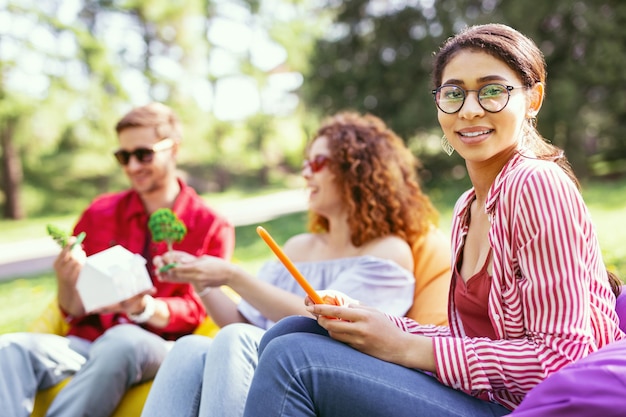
[93,59]
[55,83]
[586,107]
[11,108]
[377,58]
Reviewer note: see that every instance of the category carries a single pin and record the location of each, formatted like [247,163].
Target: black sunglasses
[143,155]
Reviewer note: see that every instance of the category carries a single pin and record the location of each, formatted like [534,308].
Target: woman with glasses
[529,291]
[368,216]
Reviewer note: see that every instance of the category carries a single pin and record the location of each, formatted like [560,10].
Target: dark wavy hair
[523,56]
[165,122]
[377,177]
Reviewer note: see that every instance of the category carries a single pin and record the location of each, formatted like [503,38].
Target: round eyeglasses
[491,97]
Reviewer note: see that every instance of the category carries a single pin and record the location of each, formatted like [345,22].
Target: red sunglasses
[316,164]
[143,155]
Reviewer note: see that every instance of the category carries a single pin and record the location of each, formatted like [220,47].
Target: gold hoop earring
[447,148]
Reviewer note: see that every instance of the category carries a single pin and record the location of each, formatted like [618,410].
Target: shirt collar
[184,197]
[136,208]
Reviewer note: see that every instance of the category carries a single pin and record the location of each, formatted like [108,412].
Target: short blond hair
[165,122]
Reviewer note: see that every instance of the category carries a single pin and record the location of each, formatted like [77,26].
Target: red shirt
[471,298]
[121,219]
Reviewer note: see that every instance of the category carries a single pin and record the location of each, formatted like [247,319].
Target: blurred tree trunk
[11,172]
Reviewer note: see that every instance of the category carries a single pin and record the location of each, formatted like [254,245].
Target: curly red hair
[377,176]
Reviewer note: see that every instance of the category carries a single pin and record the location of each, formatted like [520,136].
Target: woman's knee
[236,343]
[293,350]
[273,363]
[189,350]
[241,334]
[292,324]
[191,344]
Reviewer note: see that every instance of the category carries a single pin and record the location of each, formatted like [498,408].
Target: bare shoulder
[392,248]
[299,246]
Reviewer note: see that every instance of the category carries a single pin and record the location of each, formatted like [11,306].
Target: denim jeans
[101,371]
[302,372]
[206,377]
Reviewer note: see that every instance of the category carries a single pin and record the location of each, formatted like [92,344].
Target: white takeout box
[111,276]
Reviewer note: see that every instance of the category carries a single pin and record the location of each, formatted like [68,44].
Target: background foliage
[70,68]
[377,58]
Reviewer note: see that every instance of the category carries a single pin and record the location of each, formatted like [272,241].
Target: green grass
[16,230]
[607,203]
[23,299]
[250,250]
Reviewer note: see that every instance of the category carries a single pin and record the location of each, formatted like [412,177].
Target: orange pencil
[289,265]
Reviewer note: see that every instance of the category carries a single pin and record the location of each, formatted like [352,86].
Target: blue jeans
[309,374]
[101,371]
[206,377]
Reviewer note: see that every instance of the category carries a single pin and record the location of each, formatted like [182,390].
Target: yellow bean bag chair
[131,405]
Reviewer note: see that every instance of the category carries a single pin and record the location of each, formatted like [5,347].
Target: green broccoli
[62,237]
[166,227]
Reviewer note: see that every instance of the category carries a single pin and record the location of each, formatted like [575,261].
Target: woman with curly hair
[368,218]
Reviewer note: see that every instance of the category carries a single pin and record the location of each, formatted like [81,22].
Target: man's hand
[132,305]
[67,267]
[69,262]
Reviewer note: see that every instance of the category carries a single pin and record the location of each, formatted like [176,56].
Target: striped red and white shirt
[550,300]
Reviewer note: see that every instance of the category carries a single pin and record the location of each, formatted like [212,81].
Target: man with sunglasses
[114,348]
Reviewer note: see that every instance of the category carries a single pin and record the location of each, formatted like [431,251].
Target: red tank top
[471,299]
